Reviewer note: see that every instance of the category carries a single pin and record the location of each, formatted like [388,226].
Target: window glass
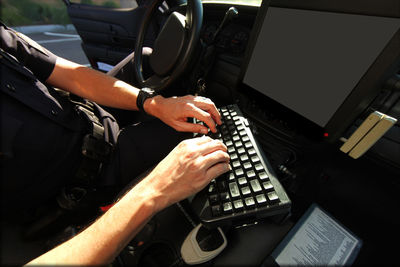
[108,3]
[33,12]
[238,2]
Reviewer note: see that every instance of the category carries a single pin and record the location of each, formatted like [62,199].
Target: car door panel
[106,35]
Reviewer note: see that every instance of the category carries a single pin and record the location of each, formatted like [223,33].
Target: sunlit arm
[109,91]
[100,243]
[93,85]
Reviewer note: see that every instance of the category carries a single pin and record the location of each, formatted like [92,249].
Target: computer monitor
[324,61]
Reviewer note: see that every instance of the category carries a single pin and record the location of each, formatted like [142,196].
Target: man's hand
[175,112]
[186,170]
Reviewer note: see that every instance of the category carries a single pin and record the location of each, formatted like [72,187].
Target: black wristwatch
[144,94]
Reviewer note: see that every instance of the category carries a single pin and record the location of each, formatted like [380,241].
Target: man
[41,147]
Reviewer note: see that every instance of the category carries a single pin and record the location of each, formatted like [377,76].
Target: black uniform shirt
[41,133]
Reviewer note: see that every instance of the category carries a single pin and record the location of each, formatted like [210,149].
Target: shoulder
[28,52]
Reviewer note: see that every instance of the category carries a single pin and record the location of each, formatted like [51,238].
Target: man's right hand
[175,111]
[187,169]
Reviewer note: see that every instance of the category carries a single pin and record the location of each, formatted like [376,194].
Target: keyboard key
[247,165]
[234,156]
[231,176]
[238,144]
[259,167]
[242,181]
[252,151]
[249,201]
[248,144]
[245,190]
[244,157]
[273,197]
[224,196]
[245,138]
[241,151]
[263,175]
[255,159]
[227,207]
[251,174]
[239,172]
[236,164]
[261,200]
[242,133]
[238,204]
[212,188]
[268,186]
[255,185]
[234,190]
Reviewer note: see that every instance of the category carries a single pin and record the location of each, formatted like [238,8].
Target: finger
[207,105]
[204,116]
[217,170]
[213,150]
[212,110]
[199,140]
[203,140]
[190,127]
[206,145]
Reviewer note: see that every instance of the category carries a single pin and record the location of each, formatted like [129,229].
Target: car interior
[310,96]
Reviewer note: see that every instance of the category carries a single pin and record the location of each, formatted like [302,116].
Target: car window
[108,3]
[238,2]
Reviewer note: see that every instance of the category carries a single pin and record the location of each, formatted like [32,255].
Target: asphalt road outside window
[65,44]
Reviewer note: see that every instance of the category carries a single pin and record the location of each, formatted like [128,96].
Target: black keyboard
[250,191]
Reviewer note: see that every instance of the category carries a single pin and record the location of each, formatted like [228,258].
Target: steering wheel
[173,48]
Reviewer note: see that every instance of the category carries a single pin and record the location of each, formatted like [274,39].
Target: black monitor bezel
[369,86]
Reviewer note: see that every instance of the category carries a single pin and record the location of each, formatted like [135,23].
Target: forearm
[101,242]
[93,85]
[108,91]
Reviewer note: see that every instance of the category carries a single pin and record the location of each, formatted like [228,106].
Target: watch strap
[144,94]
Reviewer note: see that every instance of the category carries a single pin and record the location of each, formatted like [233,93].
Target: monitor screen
[310,61]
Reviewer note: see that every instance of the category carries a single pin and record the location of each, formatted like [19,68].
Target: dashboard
[232,39]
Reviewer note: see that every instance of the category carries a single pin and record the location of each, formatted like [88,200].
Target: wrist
[146,191]
[151,105]
[144,94]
